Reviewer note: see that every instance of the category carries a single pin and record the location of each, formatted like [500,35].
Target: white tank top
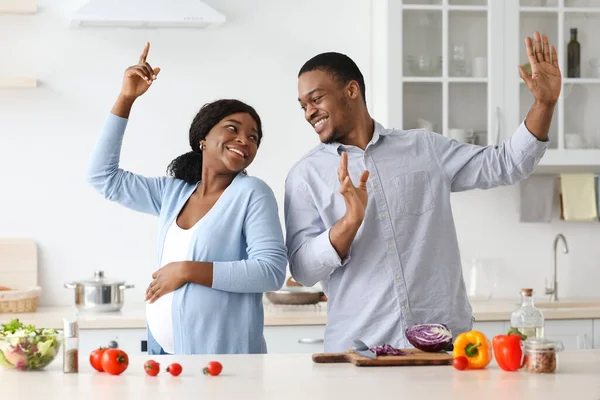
[159,314]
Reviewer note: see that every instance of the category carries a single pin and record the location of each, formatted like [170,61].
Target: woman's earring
[202,147]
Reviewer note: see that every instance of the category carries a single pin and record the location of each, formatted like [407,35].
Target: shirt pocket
[415,194]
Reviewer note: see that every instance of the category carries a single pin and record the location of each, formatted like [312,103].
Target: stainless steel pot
[99,294]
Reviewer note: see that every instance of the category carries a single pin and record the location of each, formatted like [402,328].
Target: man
[385,249]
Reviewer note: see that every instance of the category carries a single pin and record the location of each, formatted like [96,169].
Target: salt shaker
[71,347]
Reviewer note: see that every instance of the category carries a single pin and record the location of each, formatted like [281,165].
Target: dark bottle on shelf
[573,56]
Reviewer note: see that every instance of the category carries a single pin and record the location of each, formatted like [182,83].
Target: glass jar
[71,347]
[527,319]
[540,355]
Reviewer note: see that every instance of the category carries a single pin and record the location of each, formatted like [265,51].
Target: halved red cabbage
[429,337]
[387,350]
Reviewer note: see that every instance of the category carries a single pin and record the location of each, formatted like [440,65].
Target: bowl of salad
[26,348]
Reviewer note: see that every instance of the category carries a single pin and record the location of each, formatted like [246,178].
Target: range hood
[147,14]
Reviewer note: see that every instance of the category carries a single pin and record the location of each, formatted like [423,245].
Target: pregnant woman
[220,240]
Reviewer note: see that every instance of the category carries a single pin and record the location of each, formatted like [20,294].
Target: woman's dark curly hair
[189,165]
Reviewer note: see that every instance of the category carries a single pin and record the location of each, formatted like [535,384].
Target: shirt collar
[337,147]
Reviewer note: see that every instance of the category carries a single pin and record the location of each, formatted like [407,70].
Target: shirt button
[390,246]
[382,216]
[403,308]
[398,277]
[374,185]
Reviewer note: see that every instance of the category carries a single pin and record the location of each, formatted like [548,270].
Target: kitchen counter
[133,317]
[297,377]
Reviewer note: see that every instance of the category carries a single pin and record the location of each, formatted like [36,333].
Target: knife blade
[366,353]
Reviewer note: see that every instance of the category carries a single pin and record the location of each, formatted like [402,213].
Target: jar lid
[71,328]
[543,345]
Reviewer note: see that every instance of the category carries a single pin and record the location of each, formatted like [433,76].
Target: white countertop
[294,376]
[134,317]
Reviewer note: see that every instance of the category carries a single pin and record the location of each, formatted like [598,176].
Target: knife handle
[330,358]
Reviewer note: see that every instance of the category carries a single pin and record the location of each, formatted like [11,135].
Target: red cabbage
[387,350]
[429,337]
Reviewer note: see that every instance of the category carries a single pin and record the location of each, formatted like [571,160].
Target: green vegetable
[515,331]
[27,348]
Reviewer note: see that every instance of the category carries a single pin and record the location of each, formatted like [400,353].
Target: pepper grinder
[71,347]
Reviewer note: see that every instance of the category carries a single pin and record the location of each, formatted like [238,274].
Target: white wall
[46,135]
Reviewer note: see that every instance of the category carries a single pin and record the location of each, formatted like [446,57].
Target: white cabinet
[129,340]
[575,334]
[576,113]
[451,65]
[295,339]
[437,65]
[597,334]
[492,328]
[279,339]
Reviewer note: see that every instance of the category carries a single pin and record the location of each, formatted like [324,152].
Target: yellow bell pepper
[475,346]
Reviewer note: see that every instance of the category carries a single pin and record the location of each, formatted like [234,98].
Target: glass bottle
[71,347]
[527,319]
[574,56]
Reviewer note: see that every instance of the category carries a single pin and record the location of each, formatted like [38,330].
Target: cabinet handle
[310,341]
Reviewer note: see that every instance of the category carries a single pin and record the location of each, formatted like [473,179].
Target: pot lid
[99,279]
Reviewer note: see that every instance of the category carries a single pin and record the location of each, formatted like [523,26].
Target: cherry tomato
[174,369]
[115,361]
[96,359]
[151,367]
[460,363]
[213,368]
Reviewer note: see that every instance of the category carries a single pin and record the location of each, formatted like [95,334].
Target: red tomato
[213,368]
[151,367]
[175,369]
[115,361]
[96,358]
[460,363]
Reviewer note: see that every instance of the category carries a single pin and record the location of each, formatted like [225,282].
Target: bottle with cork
[71,347]
[527,319]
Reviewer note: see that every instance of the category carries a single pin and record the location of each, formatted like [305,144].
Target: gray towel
[537,198]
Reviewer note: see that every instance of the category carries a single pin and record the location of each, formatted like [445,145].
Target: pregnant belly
[160,321]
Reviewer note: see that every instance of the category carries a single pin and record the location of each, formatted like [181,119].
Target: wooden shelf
[423,79]
[17,82]
[18,6]
[581,81]
[438,79]
[440,7]
[570,160]
[575,10]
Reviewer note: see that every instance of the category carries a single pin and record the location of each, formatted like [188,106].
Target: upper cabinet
[572,26]
[18,6]
[450,66]
[8,7]
[435,66]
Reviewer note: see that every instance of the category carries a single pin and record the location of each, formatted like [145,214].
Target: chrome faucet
[553,290]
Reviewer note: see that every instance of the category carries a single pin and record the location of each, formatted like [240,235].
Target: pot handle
[70,285]
[126,287]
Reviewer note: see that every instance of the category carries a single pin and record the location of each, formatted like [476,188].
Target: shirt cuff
[326,253]
[526,141]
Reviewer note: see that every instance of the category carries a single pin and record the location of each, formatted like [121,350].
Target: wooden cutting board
[415,357]
[18,263]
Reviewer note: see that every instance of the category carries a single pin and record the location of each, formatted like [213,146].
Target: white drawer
[129,340]
[295,339]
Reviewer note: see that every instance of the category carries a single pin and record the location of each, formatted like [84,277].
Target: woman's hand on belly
[166,280]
